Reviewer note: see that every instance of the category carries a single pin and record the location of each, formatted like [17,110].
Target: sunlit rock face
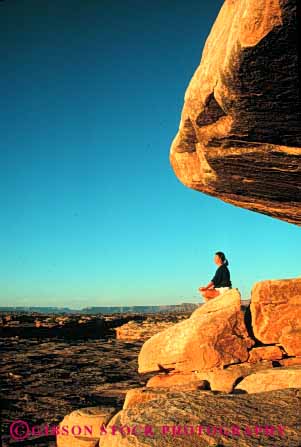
[276,313]
[214,336]
[239,136]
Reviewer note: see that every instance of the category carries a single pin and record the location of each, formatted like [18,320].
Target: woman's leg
[210,294]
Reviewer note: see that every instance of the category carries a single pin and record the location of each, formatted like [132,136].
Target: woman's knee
[210,293]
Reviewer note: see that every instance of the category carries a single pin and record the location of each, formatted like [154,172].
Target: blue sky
[92,213]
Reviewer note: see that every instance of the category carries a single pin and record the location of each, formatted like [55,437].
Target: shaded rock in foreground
[239,136]
[213,336]
[202,408]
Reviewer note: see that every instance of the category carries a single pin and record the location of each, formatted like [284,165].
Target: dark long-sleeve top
[222,277]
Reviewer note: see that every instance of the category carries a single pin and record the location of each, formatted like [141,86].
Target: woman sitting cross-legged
[221,280]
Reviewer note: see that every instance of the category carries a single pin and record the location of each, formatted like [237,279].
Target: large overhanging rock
[239,137]
[215,335]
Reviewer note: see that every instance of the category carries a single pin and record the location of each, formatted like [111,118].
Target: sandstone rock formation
[276,313]
[239,136]
[212,371]
[275,320]
[82,428]
[201,418]
[213,336]
[217,379]
[271,379]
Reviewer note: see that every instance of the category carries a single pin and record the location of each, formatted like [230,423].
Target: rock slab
[272,379]
[213,336]
[174,418]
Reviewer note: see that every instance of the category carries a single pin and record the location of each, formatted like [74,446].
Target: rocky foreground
[225,376]
[202,418]
[41,381]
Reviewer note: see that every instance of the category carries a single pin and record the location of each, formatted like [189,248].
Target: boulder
[239,136]
[271,379]
[82,427]
[276,313]
[213,336]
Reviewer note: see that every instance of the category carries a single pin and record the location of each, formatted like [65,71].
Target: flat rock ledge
[202,418]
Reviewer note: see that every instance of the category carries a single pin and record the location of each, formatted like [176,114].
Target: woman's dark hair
[222,257]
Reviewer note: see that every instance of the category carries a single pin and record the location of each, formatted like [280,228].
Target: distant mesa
[185,307]
[239,137]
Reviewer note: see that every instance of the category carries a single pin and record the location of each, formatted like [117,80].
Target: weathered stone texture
[239,136]
[276,313]
[213,336]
